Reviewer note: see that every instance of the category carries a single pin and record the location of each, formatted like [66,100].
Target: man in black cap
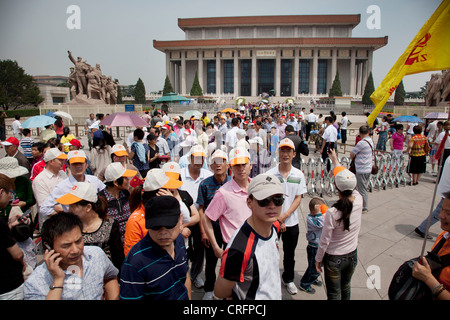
[156,268]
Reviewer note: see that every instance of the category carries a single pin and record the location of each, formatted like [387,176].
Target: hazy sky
[119,34]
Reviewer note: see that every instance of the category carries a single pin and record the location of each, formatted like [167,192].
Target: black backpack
[405,287]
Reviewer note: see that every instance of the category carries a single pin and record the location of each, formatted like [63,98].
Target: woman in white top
[337,252]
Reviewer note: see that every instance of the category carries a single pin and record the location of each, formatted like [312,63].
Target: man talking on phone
[71,271]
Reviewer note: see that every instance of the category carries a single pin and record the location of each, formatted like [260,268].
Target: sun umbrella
[63,115]
[191,113]
[50,113]
[437,115]
[230,110]
[123,119]
[408,119]
[170,97]
[38,122]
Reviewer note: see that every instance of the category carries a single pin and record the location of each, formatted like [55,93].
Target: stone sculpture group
[438,89]
[89,85]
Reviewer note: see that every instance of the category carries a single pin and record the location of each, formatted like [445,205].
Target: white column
[200,71]
[254,77]
[175,78]
[333,65]
[294,92]
[183,73]
[236,74]
[352,73]
[218,73]
[278,74]
[315,69]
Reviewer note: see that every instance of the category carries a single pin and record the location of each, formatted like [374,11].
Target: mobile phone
[25,214]
[47,246]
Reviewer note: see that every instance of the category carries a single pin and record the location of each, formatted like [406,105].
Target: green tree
[196,89]
[167,86]
[139,92]
[368,90]
[399,97]
[16,87]
[335,90]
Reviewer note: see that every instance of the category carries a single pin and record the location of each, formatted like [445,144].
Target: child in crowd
[26,143]
[275,139]
[397,140]
[314,223]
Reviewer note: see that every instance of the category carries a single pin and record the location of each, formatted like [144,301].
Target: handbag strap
[373,151]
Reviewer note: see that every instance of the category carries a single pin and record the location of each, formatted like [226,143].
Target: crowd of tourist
[149,218]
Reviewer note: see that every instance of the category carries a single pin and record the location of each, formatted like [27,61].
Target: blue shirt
[96,268]
[207,189]
[150,273]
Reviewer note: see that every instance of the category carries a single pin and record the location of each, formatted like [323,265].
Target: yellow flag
[428,51]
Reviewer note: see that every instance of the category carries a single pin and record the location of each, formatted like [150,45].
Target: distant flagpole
[428,51]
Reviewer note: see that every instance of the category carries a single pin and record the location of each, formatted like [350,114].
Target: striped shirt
[363,155]
[150,273]
[207,189]
[26,143]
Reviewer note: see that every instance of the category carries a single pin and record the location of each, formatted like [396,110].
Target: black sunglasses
[277,201]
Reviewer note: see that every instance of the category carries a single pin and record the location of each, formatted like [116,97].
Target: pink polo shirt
[397,141]
[229,206]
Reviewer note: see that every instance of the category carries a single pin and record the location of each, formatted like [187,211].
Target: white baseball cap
[80,191]
[119,150]
[189,141]
[286,142]
[54,153]
[116,170]
[344,179]
[172,169]
[157,179]
[76,156]
[219,154]
[197,151]
[257,140]
[239,156]
[265,185]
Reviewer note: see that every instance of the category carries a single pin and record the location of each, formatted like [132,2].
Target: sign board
[266,53]
[129,108]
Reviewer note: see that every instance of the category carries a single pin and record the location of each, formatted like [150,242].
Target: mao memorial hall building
[296,55]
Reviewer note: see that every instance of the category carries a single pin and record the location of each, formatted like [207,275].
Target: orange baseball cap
[76,156]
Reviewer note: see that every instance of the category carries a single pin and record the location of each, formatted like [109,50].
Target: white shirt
[44,183]
[439,139]
[294,185]
[231,138]
[344,122]
[16,126]
[330,134]
[62,188]
[432,127]
[444,183]
[311,118]
[191,185]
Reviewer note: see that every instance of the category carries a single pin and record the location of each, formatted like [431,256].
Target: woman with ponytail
[98,228]
[337,252]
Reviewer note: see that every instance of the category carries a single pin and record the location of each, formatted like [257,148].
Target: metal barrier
[320,180]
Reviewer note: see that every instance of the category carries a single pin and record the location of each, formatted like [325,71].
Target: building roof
[324,19]
[375,43]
